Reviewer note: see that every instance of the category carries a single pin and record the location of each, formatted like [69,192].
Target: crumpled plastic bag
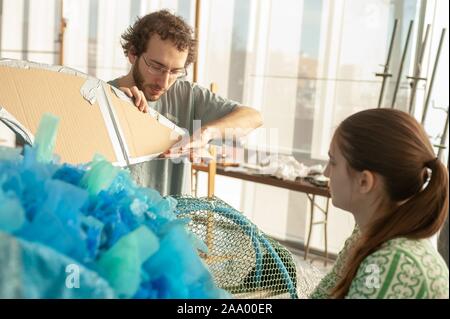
[285,167]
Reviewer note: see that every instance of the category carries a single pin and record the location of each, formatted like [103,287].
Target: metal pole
[418,69]
[420,28]
[62,29]
[430,87]
[405,50]
[386,73]
[326,230]
[197,33]
[443,137]
[25,30]
[311,224]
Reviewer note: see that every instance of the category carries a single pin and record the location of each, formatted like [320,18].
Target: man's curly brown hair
[167,26]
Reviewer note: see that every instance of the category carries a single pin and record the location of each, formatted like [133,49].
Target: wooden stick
[211,171]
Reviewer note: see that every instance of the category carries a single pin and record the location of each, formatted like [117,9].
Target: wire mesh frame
[242,259]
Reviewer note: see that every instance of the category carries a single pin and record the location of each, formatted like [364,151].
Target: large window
[308,64]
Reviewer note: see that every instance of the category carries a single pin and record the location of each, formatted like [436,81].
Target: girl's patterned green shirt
[401,268]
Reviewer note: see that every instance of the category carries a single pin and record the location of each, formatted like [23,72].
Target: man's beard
[139,81]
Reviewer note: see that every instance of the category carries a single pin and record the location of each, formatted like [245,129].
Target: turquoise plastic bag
[31,270]
[89,231]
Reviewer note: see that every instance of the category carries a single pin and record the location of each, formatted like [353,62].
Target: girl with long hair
[383,169]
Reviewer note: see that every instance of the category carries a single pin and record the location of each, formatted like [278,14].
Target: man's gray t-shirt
[183,103]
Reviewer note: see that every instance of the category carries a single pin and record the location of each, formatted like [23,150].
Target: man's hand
[195,147]
[138,96]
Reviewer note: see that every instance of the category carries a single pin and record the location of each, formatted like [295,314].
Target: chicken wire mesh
[242,259]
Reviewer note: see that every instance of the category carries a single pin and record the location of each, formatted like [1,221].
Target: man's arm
[242,119]
[236,124]
[239,122]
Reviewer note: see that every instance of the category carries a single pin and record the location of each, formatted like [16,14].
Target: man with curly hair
[160,46]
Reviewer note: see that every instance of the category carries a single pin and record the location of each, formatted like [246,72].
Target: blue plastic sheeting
[31,270]
[125,238]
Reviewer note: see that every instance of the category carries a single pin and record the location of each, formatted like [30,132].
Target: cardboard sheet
[110,126]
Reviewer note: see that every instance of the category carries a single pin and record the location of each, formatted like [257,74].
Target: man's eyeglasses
[156,69]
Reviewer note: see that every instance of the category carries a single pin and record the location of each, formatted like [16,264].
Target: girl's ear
[366,181]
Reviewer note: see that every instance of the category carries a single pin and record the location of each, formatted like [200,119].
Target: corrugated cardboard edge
[29,64]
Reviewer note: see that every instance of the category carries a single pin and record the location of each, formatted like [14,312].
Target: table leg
[326,230]
[312,200]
